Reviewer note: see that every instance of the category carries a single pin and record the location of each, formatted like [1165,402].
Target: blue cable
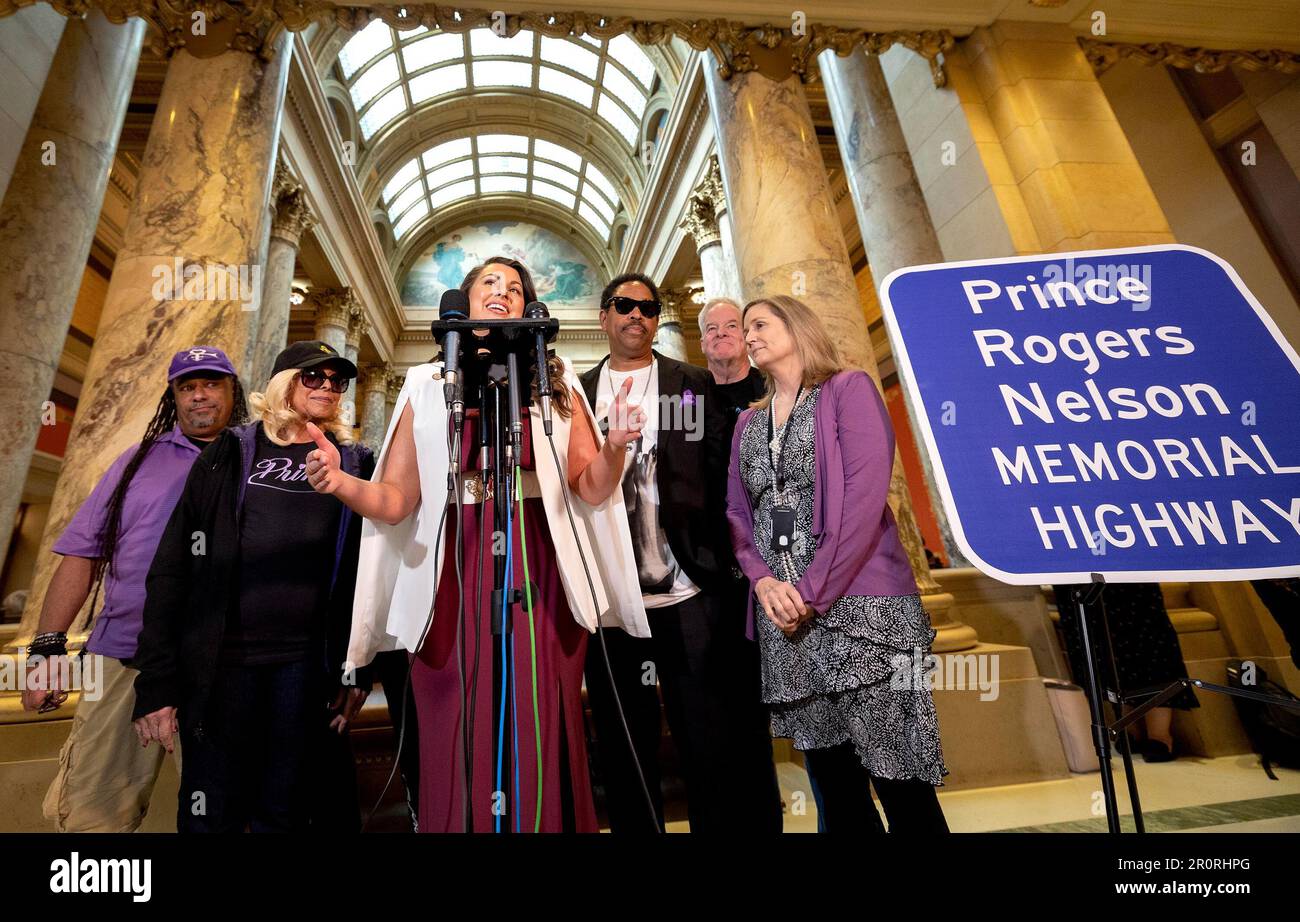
[501,714]
[514,718]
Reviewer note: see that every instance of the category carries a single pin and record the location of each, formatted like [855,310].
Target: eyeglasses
[624,306]
[315,380]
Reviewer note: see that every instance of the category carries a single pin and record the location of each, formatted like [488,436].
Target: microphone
[453,306]
[536,310]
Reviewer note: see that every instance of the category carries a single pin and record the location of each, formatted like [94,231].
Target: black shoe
[1156,751]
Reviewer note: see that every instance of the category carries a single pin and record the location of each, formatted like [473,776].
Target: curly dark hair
[164,420]
[554,367]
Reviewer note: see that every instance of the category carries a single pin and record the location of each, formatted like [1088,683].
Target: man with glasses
[674,487]
[105,780]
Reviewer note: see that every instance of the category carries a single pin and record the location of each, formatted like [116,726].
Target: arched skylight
[499,163]
[391,73]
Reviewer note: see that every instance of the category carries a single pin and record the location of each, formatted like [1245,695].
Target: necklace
[779,433]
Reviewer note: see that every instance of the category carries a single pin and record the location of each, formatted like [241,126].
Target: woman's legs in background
[843,788]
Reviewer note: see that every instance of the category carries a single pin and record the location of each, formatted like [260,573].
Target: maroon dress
[561,645]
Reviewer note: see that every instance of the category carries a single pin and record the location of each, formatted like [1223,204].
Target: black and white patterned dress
[847,673]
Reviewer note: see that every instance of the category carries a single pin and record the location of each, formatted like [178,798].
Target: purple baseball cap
[199,358]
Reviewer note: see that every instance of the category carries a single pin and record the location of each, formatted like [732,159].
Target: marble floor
[1229,794]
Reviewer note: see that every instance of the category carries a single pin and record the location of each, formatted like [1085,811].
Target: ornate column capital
[675,301]
[396,378]
[292,214]
[711,186]
[375,377]
[332,306]
[700,221]
[358,325]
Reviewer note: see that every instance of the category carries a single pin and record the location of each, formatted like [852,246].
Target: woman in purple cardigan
[810,467]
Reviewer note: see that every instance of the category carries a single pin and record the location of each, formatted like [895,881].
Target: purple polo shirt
[155,489]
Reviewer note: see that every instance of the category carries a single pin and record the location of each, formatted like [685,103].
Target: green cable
[532,641]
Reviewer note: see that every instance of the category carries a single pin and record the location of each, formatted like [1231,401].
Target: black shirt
[738,396]
[287,541]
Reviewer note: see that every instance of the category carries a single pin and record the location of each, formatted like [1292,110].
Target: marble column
[789,241]
[291,218]
[396,378]
[47,223]
[669,339]
[357,328]
[891,210]
[725,259]
[333,307]
[702,225]
[374,403]
[184,274]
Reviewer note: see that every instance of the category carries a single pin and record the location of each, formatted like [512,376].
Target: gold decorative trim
[1104,55]
[254,26]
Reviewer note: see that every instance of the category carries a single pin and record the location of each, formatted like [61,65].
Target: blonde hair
[272,407]
[817,352]
[710,305]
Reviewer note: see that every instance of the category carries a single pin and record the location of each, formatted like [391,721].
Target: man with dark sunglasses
[674,488]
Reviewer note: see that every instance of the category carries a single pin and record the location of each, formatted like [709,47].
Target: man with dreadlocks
[105,778]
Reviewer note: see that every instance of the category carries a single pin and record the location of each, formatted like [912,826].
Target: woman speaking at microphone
[523,745]
[806,500]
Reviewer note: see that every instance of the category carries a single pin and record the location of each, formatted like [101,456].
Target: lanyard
[778,468]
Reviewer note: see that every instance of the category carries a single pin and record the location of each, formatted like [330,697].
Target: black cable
[600,632]
[465,731]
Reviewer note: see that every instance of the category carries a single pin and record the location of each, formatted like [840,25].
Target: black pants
[843,787]
[265,759]
[709,674]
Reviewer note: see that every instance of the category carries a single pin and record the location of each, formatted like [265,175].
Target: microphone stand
[497,368]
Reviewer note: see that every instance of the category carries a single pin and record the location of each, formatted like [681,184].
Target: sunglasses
[624,306]
[315,380]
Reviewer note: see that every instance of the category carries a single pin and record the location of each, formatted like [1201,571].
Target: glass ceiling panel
[401,178]
[490,184]
[616,83]
[554,193]
[557,153]
[556,174]
[363,46]
[384,110]
[409,219]
[503,73]
[496,164]
[589,215]
[445,174]
[568,86]
[446,194]
[448,150]
[373,80]
[597,178]
[404,201]
[437,82]
[436,49]
[487,42]
[613,113]
[569,54]
[625,50]
[502,144]
[598,202]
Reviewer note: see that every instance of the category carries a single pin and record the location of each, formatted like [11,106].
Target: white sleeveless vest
[398,570]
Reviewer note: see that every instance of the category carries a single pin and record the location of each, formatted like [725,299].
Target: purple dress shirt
[153,494]
[858,551]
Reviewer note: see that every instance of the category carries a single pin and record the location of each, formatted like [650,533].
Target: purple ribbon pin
[688,398]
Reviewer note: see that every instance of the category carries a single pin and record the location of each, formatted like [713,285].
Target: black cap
[310,354]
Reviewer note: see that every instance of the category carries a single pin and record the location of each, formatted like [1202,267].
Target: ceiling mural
[565,279]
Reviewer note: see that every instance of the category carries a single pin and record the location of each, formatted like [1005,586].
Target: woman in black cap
[249,603]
